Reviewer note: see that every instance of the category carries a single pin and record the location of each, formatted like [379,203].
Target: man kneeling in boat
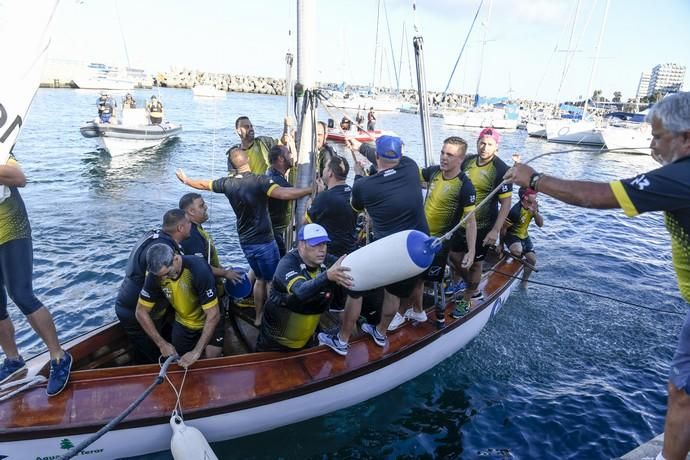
[188,284]
[304,286]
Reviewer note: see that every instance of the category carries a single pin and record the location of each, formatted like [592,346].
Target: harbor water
[556,375]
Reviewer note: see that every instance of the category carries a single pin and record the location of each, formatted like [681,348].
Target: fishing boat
[130,132]
[226,397]
[338,135]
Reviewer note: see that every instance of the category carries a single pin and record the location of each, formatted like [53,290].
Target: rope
[27,383]
[178,394]
[94,437]
[594,294]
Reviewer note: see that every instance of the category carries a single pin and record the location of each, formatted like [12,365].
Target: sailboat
[231,396]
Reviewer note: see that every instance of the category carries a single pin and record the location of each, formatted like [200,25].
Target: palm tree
[597,95]
[617,96]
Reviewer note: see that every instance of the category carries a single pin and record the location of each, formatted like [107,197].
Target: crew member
[516,229]
[371,120]
[256,147]
[188,284]
[281,161]
[106,108]
[324,151]
[129,102]
[402,209]
[304,286]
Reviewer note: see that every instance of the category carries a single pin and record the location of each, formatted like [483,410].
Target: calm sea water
[556,375]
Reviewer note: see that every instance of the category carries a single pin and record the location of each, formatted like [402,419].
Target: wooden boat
[226,397]
[337,135]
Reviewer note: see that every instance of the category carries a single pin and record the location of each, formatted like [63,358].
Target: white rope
[178,394]
[27,383]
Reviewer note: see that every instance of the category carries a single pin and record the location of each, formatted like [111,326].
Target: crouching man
[188,284]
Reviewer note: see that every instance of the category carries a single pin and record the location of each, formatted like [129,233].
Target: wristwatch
[534,180]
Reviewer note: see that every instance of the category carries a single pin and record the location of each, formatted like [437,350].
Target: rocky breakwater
[224,82]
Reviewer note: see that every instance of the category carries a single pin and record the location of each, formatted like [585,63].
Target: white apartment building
[666,78]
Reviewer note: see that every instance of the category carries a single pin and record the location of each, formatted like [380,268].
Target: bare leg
[677,426]
[353,308]
[391,303]
[417,296]
[473,279]
[532,259]
[261,288]
[7,342]
[42,322]
[455,261]
[212,351]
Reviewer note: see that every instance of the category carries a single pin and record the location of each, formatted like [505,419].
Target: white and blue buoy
[391,259]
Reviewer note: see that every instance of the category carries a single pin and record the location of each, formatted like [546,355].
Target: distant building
[643,86]
[666,78]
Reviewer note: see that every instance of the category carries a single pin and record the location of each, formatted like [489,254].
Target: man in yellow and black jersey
[304,286]
[450,195]
[486,171]
[16,281]
[256,147]
[515,230]
[665,189]
[188,284]
[200,243]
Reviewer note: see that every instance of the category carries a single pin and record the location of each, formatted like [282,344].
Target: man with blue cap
[394,202]
[303,287]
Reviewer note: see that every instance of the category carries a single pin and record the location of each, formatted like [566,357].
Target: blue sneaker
[379,339]
[454,288]
[333,342]
[10,368]
[59,374]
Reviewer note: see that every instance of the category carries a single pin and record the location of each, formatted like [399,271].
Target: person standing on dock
[16,272]
[664,189]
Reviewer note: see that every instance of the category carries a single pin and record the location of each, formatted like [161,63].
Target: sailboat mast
[596,58]
[422,95]
[390,41]
[306,40]
[569,56]
[481,57]
[376,48]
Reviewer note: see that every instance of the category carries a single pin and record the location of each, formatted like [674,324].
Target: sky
[525,48]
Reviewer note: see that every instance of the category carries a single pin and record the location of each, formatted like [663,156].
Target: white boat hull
[536,129]
[570,132]
[138,441]
[104,83]
[479,120]
[208,91]
[628,139]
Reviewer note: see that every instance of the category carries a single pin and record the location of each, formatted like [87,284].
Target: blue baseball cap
[389,147]
[313,234]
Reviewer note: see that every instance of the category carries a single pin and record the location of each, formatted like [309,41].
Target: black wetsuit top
[331,209]
[248,195]
[298,297]
[392,197]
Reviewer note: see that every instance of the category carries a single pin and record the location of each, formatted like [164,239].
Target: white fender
[391,259]
[188,443]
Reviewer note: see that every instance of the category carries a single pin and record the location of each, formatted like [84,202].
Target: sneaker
[10,368]
[454,288]
[478,296]
[59,374]
[461,309]
[333,342]
[379,339]
[398,320]
[420,317]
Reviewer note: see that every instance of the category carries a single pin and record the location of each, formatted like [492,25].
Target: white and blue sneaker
[379,339]
[10,368]
[333,342]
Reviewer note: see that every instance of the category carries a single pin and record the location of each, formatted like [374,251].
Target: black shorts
[458,243]
[526,243]
[16,275]
[184,339]
[400,289]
